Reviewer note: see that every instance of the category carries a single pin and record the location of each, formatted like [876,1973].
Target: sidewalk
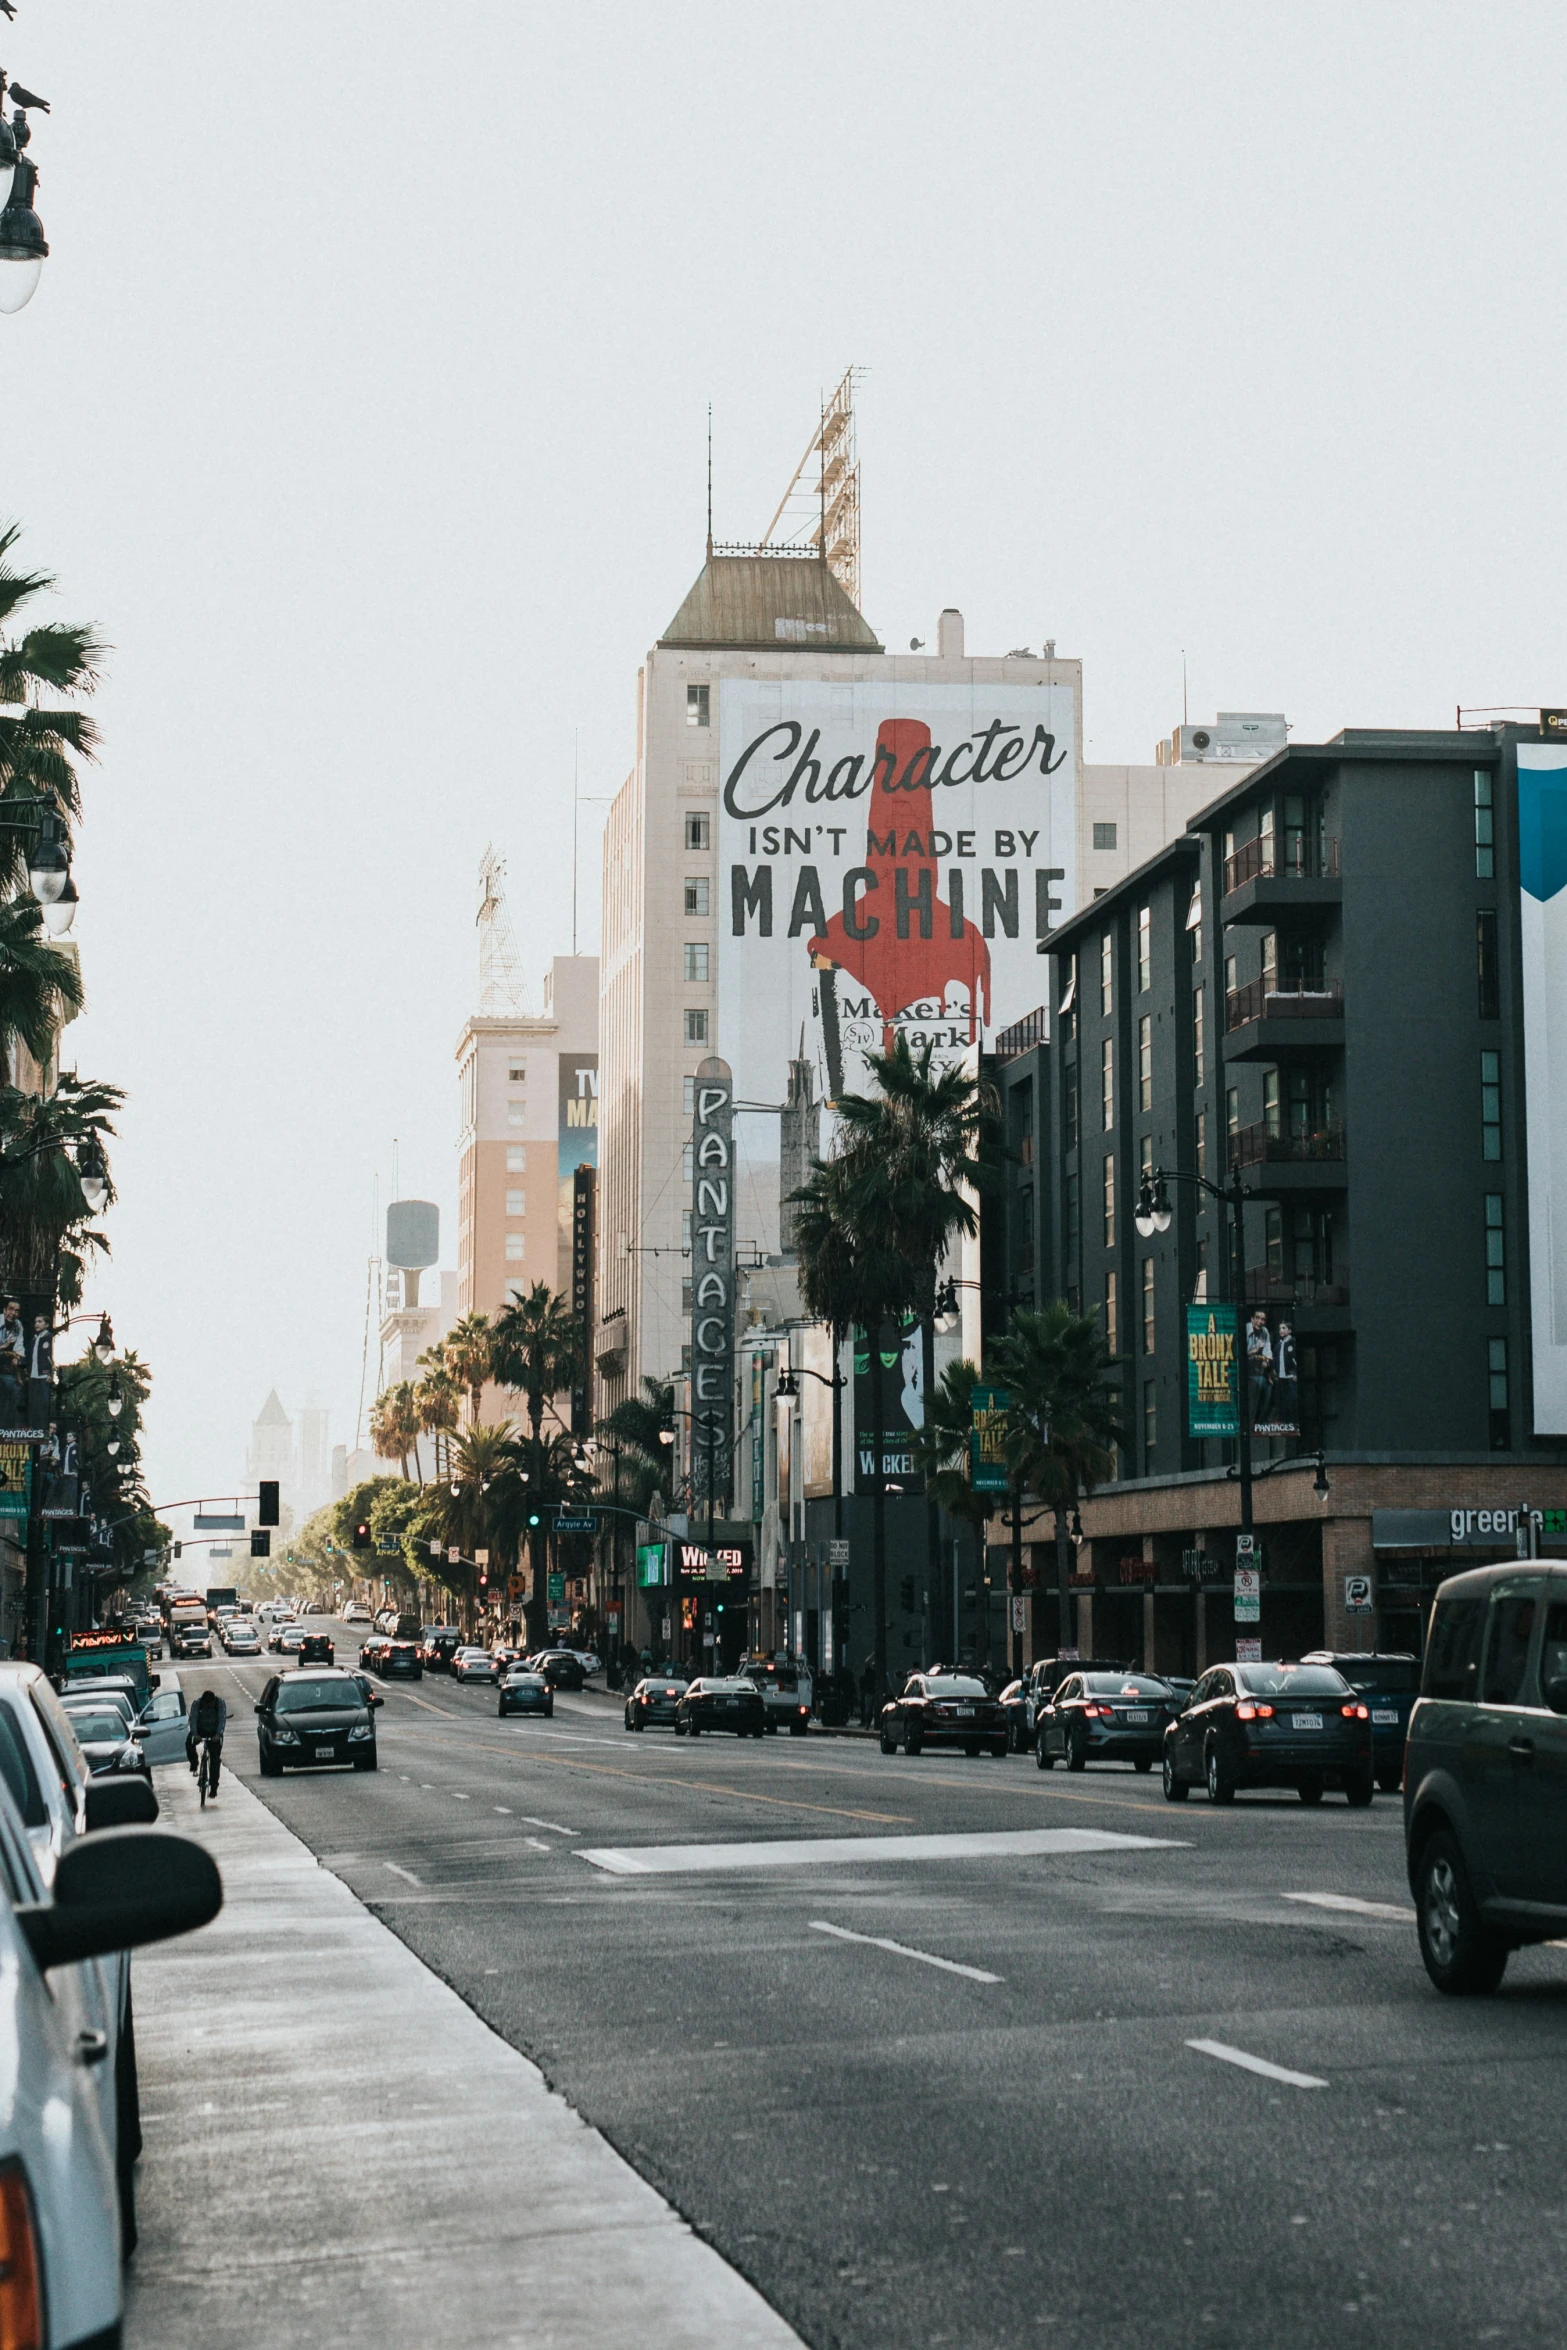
[337,2149]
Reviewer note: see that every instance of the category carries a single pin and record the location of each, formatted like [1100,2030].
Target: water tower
[413,1241]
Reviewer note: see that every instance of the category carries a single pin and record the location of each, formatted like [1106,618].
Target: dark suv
[1485,1773]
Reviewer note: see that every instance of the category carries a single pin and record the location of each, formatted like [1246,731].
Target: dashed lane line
[554,1826]
[398,1871]
[1388,1911]
[948,1966]
[1256,2064]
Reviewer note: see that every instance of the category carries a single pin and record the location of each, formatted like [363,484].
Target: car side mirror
[118,1892]
[1556,1693]
[155,1680]
[120,1803]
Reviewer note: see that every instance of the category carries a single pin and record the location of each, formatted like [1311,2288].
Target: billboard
[1272,1384]
[901,1348]
[1210,1371]
[1542,928]
[891,854]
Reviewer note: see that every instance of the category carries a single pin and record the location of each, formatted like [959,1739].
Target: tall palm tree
[944,1451]
[395,1427]
[1062,1421]
[537,1351]
[468,1347]
[438,1403]
[39,742]
[634,1433]
[46,1233]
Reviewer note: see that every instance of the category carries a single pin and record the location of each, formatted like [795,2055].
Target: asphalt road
[1019,2144]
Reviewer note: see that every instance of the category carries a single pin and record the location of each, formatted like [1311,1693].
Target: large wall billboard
[1542,877]
[890,856]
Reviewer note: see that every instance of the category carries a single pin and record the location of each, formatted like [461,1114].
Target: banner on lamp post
[1212,1393]
[987,1440]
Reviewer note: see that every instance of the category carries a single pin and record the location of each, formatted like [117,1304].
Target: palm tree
[468,1347]
[635,1432]
[944,1450]
[537,1351]
[395,1427]
[437,1402]
[39,745]
[46,1230]
[1062,1425]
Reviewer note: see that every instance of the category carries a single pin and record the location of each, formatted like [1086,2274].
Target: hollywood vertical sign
[712,1283]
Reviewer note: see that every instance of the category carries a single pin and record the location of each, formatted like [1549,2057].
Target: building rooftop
[771,603]
[272,1414]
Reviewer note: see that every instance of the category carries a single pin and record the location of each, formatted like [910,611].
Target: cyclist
[207,1722]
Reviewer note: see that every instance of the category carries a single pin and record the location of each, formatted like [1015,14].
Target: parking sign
[1357,1595]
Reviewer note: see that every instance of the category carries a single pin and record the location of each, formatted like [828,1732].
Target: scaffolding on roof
[823,516]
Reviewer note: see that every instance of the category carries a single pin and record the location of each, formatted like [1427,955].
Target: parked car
[315,1607]
[355,1614]
[560,1668]
[105,1737]
[522,1692]
[63,2170]
[1484,1770]
[1105,1717]
[307,1718]
[943,1709]
[91,1696]
[1389,1681]
[655,1699]
[1281,1725]
[590,1660]
[240,1637]
[160,1726]
[785,1684]
[714,1704]
[316,1648]
[473,1664]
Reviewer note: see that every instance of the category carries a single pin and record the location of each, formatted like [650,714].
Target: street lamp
[59,913]
[94,1178]
[49,860]
[116,1397]
[22,247]
[103,1344]
[945,1317]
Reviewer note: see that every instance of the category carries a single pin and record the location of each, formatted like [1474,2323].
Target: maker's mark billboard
[890,857]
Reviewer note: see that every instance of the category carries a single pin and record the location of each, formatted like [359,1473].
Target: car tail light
[1254,1713]
[21,2297]
[1355,1713]
[1100,1712]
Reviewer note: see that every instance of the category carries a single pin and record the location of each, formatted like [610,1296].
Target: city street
[952,2096]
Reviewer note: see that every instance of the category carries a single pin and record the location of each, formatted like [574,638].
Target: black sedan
[721,1705]
[316,1649]
[1299,1726]
[104,1739]
[399,1661]
[305,1719]
[560,1667]
[1104,1717]
[654,1699]
[525,1692]
[943,1709]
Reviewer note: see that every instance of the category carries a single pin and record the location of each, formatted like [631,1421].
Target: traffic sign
[584,1522]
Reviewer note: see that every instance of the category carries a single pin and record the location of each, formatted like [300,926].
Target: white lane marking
[537,1844]
[948,1966]
[458,1798]
[1256,2064]
[503,1808]
[554,1826]
[401,1872]
[1359,1909]
[659,1860]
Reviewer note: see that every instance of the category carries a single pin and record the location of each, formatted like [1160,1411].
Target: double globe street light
[23,249]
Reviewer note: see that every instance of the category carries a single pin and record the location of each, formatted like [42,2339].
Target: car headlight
[362,1730]
[285,1737]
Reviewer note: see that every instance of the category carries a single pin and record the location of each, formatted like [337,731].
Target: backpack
[205,1717]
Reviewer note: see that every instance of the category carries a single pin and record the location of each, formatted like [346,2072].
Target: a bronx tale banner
[712,1282]
[890,856]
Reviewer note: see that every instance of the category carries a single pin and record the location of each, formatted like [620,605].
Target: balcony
[1022,1036]
[1313,1308]
[1264,879]
[1291,1162]
[1263,1019]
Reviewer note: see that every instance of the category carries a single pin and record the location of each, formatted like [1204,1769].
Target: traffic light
[178,1547]
[906,1594]
[260,1543]
[362,1534]
[533,1517]
[266,1502]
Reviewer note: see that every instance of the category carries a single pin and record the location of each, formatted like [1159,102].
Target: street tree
[468,1348]
[1063,1423]
[395,1427]
[537,1353]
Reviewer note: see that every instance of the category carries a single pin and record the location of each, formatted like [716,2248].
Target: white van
[785,1683]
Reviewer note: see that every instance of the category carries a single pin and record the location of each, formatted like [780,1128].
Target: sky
[363,408]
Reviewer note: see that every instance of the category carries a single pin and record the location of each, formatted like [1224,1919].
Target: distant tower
[799,1141]
[502,994]
[272,1444]
[825,513]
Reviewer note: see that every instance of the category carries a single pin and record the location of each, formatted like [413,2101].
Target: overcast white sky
[363,403]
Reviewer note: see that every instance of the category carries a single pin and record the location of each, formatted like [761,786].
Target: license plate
[1385,1714]
[965,1712]
[1136,1717]
[325,1753]
[1305,1721]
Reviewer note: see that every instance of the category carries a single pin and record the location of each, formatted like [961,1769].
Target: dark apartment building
[1317,989]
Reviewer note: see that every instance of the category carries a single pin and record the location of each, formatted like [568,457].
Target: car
[280,1625]
[63,2169]
[1014,1703]
[656,1698]
[288,1639]
[507,1657]
[943,1709]
[438,1644]
[274,1611]
[93,1696]
[1389,1681]
[1104,1717]
[187,1640]
[560,1667]
[371,1651]
[714,1704]
[240,1637]
[314,1607]
[305,1718]
[316,1649]
[522,1692]
[1484,1768]
[386,1619]
[590,1660]
[355,1614]
[1278,1725]
[785,1685]
[105,1737]
[372,1697]
[473,1664]
[398,1660]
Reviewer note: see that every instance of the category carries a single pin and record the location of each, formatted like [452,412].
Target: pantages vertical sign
[712,1282]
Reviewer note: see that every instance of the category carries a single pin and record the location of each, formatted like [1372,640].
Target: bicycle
[207,1769]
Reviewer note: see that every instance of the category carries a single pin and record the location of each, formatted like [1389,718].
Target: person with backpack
[206,1724]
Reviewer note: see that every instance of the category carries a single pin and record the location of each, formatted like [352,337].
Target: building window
[688,1095]
[1194,921]
[696,1028]
[1109,1202]
[1112,1316]
[699,832]
[1073,1235]
[517,1074]
[1273,1243]
[1144,949]
[516,1158]
[1200,1140]
[516,1202]
[1148,1305]
[1104,836]
[1485,826]
[1495,1251]
[1107,974]
[688,1161]
[1025,1229]
[1150,1427]
[685,1230]
[1107,1082]
[1145,1063]
[696,894]
[696,958]
[1232,1111]
[1317,1365]
[1069,1109]
[1200,1284]
[698,704]
[687,1292]
[1231,975]
[1199,1048]
[1270,1103]
[516,1247]
[1487,972]
[516,1113]
[1490,1105]
[1496,1371]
